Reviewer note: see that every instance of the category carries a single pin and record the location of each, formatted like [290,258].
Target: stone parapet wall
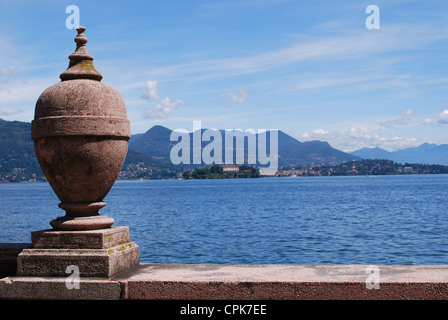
[244,282]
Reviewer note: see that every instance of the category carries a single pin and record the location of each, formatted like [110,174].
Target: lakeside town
[364,167]
[352,168]
[140,170]
[361,167]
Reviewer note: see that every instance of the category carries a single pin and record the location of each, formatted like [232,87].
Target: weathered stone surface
[56,289]
[88,239]
[90,262]
[283,282]
[81,171]
[93,220]
[81,132]
[81,65]
[243,282]
[80,98]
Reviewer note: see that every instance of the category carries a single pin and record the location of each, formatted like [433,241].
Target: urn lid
[81,62]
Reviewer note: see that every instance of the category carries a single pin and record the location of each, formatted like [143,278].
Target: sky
[315,69]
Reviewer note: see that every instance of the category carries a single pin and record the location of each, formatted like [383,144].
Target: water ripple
[315,220]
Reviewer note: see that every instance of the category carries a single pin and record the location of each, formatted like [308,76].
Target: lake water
[303,220]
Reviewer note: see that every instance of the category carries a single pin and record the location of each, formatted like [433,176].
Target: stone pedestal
[95,253]
[80,132]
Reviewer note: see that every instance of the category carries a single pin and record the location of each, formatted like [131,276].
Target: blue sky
[309,68]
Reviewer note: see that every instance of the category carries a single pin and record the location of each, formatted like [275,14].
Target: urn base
[68,223]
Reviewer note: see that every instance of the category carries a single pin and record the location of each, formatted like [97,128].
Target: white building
[230,167]
[407,170]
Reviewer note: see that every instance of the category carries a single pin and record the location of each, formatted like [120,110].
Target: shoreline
[261,176]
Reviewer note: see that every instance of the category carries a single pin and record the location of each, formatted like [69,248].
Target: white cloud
[396,143]
[8,71]
[363,133]
[163,109]
[165,105]
[320,132]
[9,111]
[317,134]
[151,90]
[409,113]
[401,121]
[361,136]
[354,45]
[441,119]
[24,92]
[241,98]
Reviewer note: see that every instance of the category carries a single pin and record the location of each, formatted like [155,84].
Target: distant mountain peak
[156,143]
[426,153]
[320,142]
[158,127]
[427,145]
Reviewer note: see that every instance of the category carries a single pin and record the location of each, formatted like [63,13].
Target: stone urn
[81,132]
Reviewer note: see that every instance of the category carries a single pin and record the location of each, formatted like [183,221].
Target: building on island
[230,168]
[408,170]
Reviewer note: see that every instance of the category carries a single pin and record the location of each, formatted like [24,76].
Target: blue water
[304,220]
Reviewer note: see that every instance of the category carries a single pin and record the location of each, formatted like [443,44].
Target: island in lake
[350,168]
[223,172]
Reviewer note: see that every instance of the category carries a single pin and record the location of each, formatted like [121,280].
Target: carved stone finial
[81,65]
[81,132]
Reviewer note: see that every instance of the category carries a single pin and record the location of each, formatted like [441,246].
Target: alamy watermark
[373,277]
[236,151]
[373,20]
[72,21]
[73,280]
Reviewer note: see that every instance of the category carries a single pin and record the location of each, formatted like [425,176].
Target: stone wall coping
[242,282]
[286,273]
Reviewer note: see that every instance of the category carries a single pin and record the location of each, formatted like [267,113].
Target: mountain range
[149,153]
[425,154]
[17,156]
[18,160]
[156,143]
